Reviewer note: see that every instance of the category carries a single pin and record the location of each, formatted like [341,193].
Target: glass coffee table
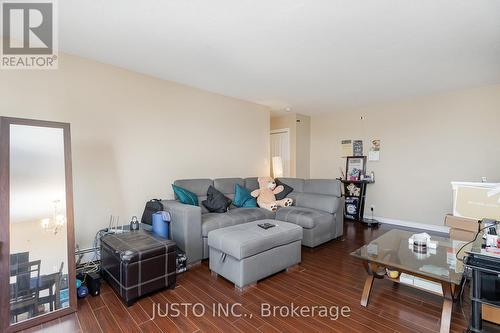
[393,251]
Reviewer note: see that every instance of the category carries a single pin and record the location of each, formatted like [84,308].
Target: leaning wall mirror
[36,223]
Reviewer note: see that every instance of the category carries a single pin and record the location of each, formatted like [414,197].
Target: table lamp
[277,167]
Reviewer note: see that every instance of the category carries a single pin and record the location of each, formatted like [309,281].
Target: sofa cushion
[198,187]
[326,203]
[251,183]
[226,185]
[248,239]
[305,217]
[251,214]
[293,196]
[323,186]
[216,201]
[212,221]
[296,183]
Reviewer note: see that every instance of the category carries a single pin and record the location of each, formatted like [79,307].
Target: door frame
[288,162]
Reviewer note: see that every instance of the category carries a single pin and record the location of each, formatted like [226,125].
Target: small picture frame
[355,167]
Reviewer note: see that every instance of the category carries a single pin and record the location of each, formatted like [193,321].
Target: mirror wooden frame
[5,326]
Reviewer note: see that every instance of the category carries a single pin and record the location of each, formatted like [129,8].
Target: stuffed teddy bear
[353,190]
[266,194]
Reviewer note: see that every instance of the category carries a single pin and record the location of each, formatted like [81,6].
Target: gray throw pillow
[216,201]
[287,190]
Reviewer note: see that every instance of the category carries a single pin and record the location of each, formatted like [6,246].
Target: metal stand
[481,265]
[370,222]
[476,320]
[355,197]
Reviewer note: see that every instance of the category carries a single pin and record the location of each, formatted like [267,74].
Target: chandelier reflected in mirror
[57,221]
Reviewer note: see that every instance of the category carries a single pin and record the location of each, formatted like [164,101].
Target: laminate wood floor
[328,276]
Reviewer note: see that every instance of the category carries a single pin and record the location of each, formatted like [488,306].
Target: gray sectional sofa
[317,208]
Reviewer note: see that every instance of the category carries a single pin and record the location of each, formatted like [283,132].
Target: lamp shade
[277,167]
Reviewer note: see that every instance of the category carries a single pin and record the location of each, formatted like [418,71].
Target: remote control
[266,225]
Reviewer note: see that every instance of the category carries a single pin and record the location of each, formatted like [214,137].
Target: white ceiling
[315,56]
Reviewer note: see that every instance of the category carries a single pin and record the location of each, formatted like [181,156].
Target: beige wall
[133,135]
[303,146]
[425,144]
[51,249]
[299,141]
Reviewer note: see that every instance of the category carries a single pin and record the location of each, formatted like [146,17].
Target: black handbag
[152,206]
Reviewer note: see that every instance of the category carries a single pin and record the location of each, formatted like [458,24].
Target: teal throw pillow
[243,198]
[185,196]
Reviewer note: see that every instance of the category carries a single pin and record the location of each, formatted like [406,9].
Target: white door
[280,146]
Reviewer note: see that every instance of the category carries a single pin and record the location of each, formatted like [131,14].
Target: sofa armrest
[338,227]
[186,228]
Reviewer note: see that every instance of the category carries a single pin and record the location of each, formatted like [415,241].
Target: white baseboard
[409,224]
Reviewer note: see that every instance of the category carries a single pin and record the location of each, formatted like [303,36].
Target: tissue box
[421,283]
[406,279]
[428,285]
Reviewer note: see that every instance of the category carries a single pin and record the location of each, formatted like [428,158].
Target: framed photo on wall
[355,167]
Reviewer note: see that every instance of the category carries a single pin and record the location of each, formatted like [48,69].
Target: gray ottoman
[246,253]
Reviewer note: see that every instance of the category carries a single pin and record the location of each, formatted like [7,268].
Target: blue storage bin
[161,224]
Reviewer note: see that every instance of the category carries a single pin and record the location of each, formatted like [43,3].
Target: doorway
[280,146]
